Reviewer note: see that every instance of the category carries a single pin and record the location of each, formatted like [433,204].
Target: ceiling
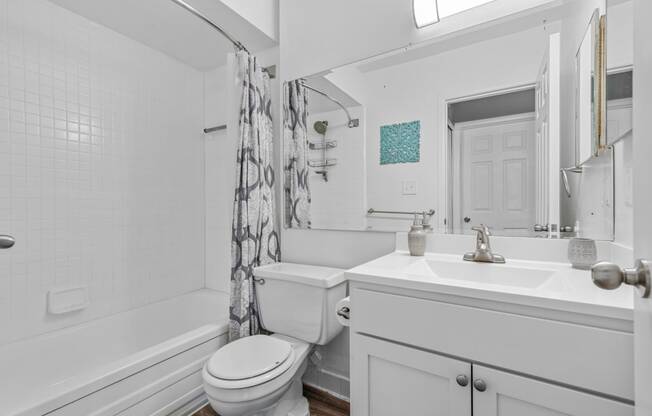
[163,25]
[320,104]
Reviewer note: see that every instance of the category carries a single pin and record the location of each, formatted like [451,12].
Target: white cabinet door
[511,395]
[388,379]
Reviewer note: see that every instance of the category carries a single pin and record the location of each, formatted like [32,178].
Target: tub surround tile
[90,124]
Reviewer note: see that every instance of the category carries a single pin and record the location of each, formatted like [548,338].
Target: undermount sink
[486,273]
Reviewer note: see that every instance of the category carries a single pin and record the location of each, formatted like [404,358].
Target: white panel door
[642,199]
[511,395]
[498,180]
[388,379]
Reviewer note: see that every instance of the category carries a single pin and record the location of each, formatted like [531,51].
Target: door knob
[479,384]
[462,380]
[6,241]
[539,227]
[610,276]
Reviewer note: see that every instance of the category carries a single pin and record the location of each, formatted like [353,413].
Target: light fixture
[427,12]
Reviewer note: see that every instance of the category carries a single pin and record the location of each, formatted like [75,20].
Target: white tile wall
[219,183]
[101,168]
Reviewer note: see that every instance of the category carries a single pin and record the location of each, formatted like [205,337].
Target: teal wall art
[399,143]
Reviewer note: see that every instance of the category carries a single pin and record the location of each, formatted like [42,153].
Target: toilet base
[292,403]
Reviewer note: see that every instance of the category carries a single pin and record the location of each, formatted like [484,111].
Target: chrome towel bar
[429,212]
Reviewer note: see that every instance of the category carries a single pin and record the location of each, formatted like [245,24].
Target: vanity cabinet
[408,349]
[390,379]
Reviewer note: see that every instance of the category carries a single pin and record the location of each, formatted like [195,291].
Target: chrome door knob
[479,384]
[462,380]
[539,227]
[610,276]
[6,241]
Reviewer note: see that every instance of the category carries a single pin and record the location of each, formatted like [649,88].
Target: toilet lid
[249,357]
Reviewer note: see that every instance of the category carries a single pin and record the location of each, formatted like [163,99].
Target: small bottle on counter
[417,238]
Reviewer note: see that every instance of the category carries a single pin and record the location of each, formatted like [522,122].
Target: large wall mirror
[490,125]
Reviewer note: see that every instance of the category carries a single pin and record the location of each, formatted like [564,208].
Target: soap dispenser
[417,238]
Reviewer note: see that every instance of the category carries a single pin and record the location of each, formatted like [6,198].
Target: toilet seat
[250,361]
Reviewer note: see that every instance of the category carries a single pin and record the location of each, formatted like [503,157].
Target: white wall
[101,169]
[620,35]
[339,202]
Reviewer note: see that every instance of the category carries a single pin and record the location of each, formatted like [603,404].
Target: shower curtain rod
[206,20]
[353,122]
[271,70]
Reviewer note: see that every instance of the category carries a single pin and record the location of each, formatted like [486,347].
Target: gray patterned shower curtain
[254,237]
[295,142]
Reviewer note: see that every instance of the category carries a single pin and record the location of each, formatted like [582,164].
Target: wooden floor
[321,404]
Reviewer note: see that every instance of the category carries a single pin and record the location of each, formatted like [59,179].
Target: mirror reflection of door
[504,169]
[497,179]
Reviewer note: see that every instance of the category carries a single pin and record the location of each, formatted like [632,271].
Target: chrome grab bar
[6,241]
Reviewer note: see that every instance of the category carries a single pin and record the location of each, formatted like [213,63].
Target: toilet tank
[299,300]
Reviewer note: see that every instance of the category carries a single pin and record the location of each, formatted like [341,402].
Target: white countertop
[567,289]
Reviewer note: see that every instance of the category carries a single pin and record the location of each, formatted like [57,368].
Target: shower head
[321,126]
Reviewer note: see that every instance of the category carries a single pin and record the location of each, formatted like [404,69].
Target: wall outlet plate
[409,187]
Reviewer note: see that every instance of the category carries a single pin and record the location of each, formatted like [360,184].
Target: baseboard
[192,406]
[318,394]
[332,382]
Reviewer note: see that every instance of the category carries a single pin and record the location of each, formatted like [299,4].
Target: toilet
[261,374]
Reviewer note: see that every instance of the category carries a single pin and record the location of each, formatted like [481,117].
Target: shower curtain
[254,237]
[295,141]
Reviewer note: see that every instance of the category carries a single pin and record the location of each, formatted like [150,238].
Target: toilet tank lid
[319,276]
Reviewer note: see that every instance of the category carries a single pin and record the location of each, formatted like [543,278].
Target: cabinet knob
[462,380]
[479,384]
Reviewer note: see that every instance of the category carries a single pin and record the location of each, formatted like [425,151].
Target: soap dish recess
[65,300]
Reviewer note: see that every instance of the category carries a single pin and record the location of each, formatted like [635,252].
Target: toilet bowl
[258,375]
[261,374]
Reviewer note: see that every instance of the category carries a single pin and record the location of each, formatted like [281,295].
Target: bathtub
[146,361]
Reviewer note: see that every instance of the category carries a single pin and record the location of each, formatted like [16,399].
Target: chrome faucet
[482,251]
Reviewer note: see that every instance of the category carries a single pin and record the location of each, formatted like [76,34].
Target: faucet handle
[481,229]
